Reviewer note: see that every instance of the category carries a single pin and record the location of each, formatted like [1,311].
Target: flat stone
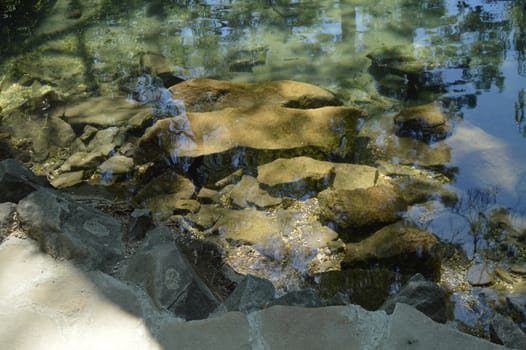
[295,177]
[208,94]
[102,111]
[116,165]
[361,211]
[479,275]
[354,176]
[248,193]
[67,179]
[270,127]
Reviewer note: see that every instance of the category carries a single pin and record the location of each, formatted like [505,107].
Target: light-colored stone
[410,329]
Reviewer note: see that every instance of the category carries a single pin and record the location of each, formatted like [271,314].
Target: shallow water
[473,55]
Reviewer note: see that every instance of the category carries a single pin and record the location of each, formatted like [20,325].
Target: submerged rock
[405,246]
[426,122]
[263,127]
[102,111]
[360,211]
[297,177]
[201,95]
[248,193]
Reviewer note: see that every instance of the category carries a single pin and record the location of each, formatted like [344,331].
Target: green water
[471,54]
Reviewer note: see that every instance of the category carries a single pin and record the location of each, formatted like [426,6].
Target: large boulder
[168,277]
[16,181]
[68,230]
[363,210]
[262,127]
[409,248]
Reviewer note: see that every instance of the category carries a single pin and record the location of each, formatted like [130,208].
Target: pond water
[468,57]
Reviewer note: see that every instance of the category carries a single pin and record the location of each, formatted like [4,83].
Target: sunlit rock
[265,127]
[296,177]
[403,245]
[86,160]
[116,165]
[201,95]
[361,211]
[426,122]
[66,179]
[354,176]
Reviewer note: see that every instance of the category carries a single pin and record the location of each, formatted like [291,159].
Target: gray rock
[423,295]
[505,331]
[517,305]
[140,222]
[304,297]
[253,293]
[16,181]
[479,275]
[7,210]
[66,229]
[168,277]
